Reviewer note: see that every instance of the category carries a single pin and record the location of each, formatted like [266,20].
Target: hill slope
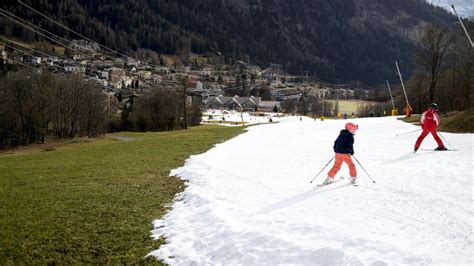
[340,40]
[249,201]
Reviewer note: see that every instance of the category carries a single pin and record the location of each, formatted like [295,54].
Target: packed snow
[249,200]
[236,118]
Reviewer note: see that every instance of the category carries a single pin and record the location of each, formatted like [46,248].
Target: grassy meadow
[349,106]
[92,201]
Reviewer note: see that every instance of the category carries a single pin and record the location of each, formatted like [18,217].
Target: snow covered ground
[235,118]
[249,200]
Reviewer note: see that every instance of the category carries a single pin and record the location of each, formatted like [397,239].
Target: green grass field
[349,106]
[93,201]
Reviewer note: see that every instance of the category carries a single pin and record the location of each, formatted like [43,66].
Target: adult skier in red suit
[429,122]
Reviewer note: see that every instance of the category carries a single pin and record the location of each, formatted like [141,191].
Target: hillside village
[211,81]
[201,132]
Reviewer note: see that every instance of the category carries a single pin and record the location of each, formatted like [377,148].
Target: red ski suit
[429,122]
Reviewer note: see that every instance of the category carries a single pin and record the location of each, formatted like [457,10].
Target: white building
[74,68]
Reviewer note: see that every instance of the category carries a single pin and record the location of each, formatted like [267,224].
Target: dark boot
[441,149]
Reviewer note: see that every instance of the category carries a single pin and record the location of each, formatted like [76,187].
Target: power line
[36,51]
[22,45]
[40,33]
[21,51]
[16,49]
[61,38]
[92,41]
[82,36]
[25,65]
[316,80]
[31,49]
[112,50]
[15,62]
[115,51]
[29,25]
[34,26]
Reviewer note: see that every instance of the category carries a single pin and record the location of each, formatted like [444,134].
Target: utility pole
[462,24]
[185,116]
[391,97]
[408,109]
[394,111]
[241,110]
[322,110]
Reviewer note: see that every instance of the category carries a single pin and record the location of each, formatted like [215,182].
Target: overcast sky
[465,8]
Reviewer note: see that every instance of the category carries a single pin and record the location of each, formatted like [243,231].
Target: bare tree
[302,106]
[314,105]
[78,108]
[42,89]
[418,90]
[24,107]
[288,106]
[21,106]
[463,69]
[93,117]
[432,53]
[158,110]
[183,90]
[444,71]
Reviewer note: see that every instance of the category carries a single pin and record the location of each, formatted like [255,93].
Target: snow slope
[249,200]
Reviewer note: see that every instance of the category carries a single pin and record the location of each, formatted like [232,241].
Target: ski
[335,181]
[437,150]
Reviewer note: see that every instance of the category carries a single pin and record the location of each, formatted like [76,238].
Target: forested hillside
[338,40]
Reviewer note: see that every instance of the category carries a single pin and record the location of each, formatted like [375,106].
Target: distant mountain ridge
[338,40]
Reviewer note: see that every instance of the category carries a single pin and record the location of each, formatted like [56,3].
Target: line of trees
[164,109]
[444,70]
[36,106]
[313,106]
[444,74]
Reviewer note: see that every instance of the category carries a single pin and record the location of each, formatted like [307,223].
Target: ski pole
[446,140]
[408,132]
[373,181]
[322,169]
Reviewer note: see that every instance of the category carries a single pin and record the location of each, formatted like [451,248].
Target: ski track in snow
[249,200]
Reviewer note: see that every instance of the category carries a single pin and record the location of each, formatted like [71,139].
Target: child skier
[429,122]
[343,147]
